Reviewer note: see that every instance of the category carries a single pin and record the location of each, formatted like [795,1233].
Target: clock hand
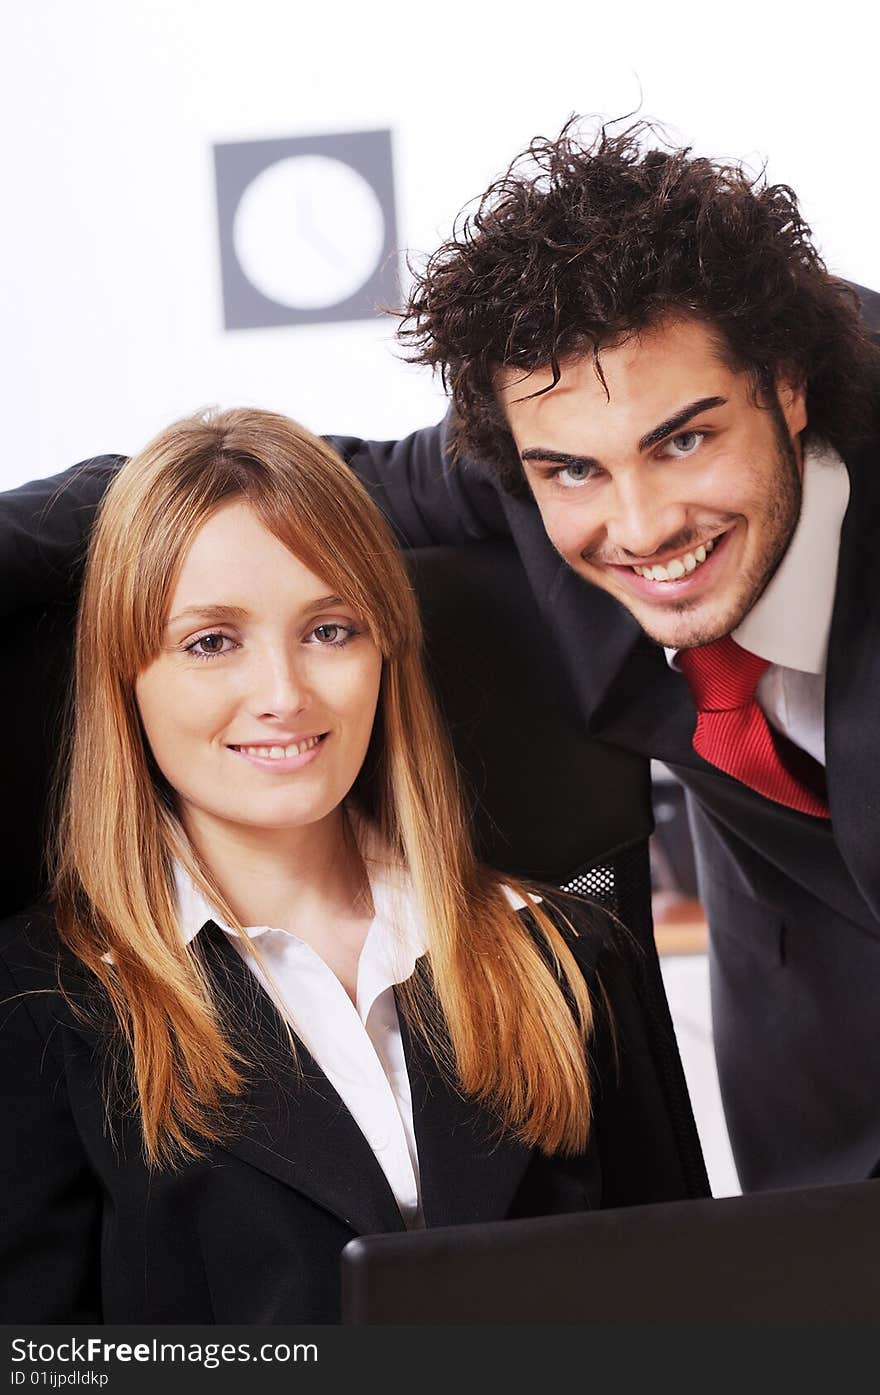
[317,238]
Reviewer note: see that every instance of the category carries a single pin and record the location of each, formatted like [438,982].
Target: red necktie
[732,731]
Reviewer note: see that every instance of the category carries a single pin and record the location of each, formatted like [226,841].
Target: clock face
[308,232]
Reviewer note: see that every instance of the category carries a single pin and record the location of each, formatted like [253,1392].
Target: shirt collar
[194,910]
[394,904]
[790,622]
[397,936]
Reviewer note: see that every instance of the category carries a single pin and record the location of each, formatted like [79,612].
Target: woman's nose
[279,688]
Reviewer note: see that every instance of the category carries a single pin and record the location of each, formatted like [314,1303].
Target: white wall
[111,311]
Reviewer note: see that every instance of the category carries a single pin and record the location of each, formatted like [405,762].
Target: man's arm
[44,532]
[45,525]
[427,498]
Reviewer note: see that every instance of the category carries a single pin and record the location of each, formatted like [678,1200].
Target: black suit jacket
[793,904]
[251,1233]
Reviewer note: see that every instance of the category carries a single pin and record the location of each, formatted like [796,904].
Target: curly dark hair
[581,244]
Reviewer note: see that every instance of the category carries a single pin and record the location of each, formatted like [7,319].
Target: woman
[274,1002]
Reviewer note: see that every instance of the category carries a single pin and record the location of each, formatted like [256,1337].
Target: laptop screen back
[783,1256]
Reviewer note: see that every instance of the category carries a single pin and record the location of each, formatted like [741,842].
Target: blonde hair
[503,1005]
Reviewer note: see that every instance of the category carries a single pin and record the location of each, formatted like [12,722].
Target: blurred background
[205,202]
[114,237]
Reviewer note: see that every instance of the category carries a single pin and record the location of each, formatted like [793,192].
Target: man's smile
[677,567]
[684,577]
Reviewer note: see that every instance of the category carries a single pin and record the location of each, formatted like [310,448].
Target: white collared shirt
[790,622]
[359,1048]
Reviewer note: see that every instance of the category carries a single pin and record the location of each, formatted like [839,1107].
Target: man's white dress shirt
[359,1048]
[790,622]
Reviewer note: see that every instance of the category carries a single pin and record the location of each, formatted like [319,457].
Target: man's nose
[642,519]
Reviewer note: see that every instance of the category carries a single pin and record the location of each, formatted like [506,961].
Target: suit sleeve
[44,532]
[648,1142]
[51,1214]
[427,497]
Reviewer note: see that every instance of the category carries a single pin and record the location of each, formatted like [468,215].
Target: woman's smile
[281,757]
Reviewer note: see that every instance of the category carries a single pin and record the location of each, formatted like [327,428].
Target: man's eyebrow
[650,438]
[557,457]
[678,420]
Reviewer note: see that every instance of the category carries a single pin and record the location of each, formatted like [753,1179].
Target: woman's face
[260,705]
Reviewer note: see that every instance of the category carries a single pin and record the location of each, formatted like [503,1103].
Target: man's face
[676,493]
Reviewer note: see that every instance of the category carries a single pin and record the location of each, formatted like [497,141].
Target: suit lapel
[597,639]
[626,691]
[594,635]
[297,1128]
[468,1170]
[291,1123]
[852,698]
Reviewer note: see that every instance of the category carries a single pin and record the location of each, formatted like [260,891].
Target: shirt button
[378,1141]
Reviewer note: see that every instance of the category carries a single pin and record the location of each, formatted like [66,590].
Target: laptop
[810,1255]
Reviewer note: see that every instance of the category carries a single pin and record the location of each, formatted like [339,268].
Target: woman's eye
[333,634]
[685,443]
[209,646]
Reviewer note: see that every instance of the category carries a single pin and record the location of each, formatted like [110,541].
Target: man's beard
[779,520]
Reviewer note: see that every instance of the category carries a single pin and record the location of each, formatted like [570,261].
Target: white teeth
[296,748]
[679,566]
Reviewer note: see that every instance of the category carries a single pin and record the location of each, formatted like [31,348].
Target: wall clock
[307,228]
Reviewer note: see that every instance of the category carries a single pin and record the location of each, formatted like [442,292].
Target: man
[657,389]
[652,347]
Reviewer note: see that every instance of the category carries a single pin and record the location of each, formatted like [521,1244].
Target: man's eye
[685,443]
[569,476]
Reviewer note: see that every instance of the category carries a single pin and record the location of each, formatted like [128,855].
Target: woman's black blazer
[252,1232]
